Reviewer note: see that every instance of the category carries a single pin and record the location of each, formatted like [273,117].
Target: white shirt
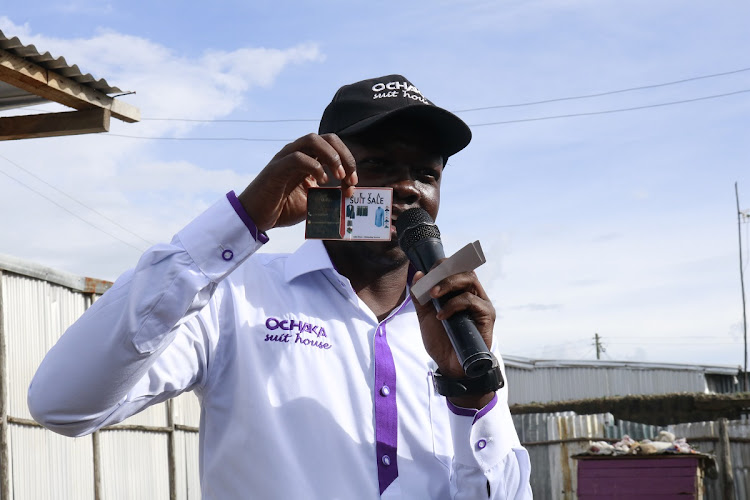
[304,394]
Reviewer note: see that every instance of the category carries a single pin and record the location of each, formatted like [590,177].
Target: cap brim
[452,134]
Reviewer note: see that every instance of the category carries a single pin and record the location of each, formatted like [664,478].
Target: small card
[468,258]
[364,216]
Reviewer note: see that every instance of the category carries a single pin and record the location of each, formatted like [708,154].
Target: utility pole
[599,347]
[742,284]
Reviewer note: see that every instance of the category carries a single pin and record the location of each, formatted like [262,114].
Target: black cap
[361,105]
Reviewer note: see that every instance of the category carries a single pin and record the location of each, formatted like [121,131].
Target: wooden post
[97,466]
[725,461]
[171,451]
[4,431]
[95,442]
[742,286]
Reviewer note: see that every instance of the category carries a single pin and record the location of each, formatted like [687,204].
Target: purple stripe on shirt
[472,412]
[258,235]
[386,412]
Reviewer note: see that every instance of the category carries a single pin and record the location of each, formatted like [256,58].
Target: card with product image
[366,215]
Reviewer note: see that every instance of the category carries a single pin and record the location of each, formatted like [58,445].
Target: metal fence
[151,455]
[155,454]
[553,438]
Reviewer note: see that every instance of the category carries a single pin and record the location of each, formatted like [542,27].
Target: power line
[601,94]
[77,201]
[629,337]
[249,139]
[675,343]
[554,117]
[140,250]
[621,110]
[229,120]
[499,106]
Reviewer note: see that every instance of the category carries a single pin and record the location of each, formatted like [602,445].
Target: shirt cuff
[218,240]
[482,438]
[245,217]
[472,412]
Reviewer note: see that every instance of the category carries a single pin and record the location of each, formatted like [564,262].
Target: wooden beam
[54,124]
[46,83]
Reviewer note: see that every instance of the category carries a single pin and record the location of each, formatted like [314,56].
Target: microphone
[419,238]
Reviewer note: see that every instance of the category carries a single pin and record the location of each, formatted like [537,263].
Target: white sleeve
[147,338]
[488,459]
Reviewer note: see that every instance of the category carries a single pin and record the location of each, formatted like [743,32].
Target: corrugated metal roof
[33,270]
[545,385]
[531,364]
[59,65]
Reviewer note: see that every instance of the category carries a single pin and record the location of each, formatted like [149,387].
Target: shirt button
[386,460]
[227,255]
[481,444]
[385,390]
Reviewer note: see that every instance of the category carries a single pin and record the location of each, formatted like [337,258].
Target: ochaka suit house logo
[296,333]
[398,89]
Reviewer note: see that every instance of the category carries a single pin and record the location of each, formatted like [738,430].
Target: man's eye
[430,172]
[371,162]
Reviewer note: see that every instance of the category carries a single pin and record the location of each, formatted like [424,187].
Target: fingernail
[435,291]
[353,179]
[340,172]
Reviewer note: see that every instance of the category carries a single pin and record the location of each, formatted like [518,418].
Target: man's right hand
[277,196]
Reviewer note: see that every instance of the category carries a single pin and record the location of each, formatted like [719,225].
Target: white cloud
[131,182]
[167,84]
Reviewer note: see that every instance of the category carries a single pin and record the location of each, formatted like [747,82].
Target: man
[314,370]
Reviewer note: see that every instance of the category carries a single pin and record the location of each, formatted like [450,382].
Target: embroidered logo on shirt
[299,333]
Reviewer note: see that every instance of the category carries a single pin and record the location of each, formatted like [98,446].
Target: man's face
[402,158]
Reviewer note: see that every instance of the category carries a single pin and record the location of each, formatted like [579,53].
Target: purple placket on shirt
[386,411]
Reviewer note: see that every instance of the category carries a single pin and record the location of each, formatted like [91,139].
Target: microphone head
[413,226]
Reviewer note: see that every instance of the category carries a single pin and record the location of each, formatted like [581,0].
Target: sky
[595,218]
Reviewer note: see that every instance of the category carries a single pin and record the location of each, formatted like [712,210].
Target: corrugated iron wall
[546,384]
[155,454]
[706,436]
[553,438]
[151,455]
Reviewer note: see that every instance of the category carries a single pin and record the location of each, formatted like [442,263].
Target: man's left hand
[470,298]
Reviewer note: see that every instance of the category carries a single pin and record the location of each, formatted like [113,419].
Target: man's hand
[471,298]
[277,196]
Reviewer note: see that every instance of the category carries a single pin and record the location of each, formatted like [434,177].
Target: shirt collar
[311,256]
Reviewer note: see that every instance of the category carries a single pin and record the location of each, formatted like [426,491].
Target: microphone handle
[472,352]
[468,343]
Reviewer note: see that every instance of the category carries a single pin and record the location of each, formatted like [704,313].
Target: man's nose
[405,192]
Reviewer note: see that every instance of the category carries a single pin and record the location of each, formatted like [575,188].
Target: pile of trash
[665,442]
